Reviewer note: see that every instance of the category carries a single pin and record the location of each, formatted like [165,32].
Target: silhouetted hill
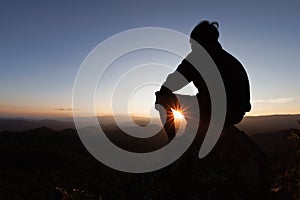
[43,164]
[282,166]
[21,124]
[27,124]
[268,124]
[276,142]
[251,125]
[47,164]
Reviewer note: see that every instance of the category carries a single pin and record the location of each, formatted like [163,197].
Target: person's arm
[166,100]
[175,81]
[179,78]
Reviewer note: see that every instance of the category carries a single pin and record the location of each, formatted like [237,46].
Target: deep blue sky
[43,43]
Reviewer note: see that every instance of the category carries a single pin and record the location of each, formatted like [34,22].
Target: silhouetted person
[234,168]
[232,72]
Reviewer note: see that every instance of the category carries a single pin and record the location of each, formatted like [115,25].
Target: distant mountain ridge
[23,124]
[268,124]
[250,124]
[28,124]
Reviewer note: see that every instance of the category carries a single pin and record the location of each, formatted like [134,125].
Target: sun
[177,114]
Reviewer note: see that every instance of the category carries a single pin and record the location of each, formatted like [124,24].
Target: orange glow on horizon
[20,111]
[43,112]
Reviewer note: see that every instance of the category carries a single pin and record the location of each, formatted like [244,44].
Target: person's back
[236,84]
[233,74]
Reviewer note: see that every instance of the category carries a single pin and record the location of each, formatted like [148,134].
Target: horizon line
[123,115]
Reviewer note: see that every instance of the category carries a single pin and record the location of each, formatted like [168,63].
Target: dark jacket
[234,76]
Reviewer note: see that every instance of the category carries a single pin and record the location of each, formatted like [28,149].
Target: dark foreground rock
[47,164]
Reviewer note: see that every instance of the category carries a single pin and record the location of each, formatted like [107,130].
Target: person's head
[205,33]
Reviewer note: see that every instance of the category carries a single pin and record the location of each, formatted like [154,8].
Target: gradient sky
[43,43]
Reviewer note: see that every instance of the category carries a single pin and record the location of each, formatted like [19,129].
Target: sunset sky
[43,43]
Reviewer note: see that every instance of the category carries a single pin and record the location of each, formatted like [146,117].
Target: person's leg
[188,105]
[167,119]
[166,103]
[196,116]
